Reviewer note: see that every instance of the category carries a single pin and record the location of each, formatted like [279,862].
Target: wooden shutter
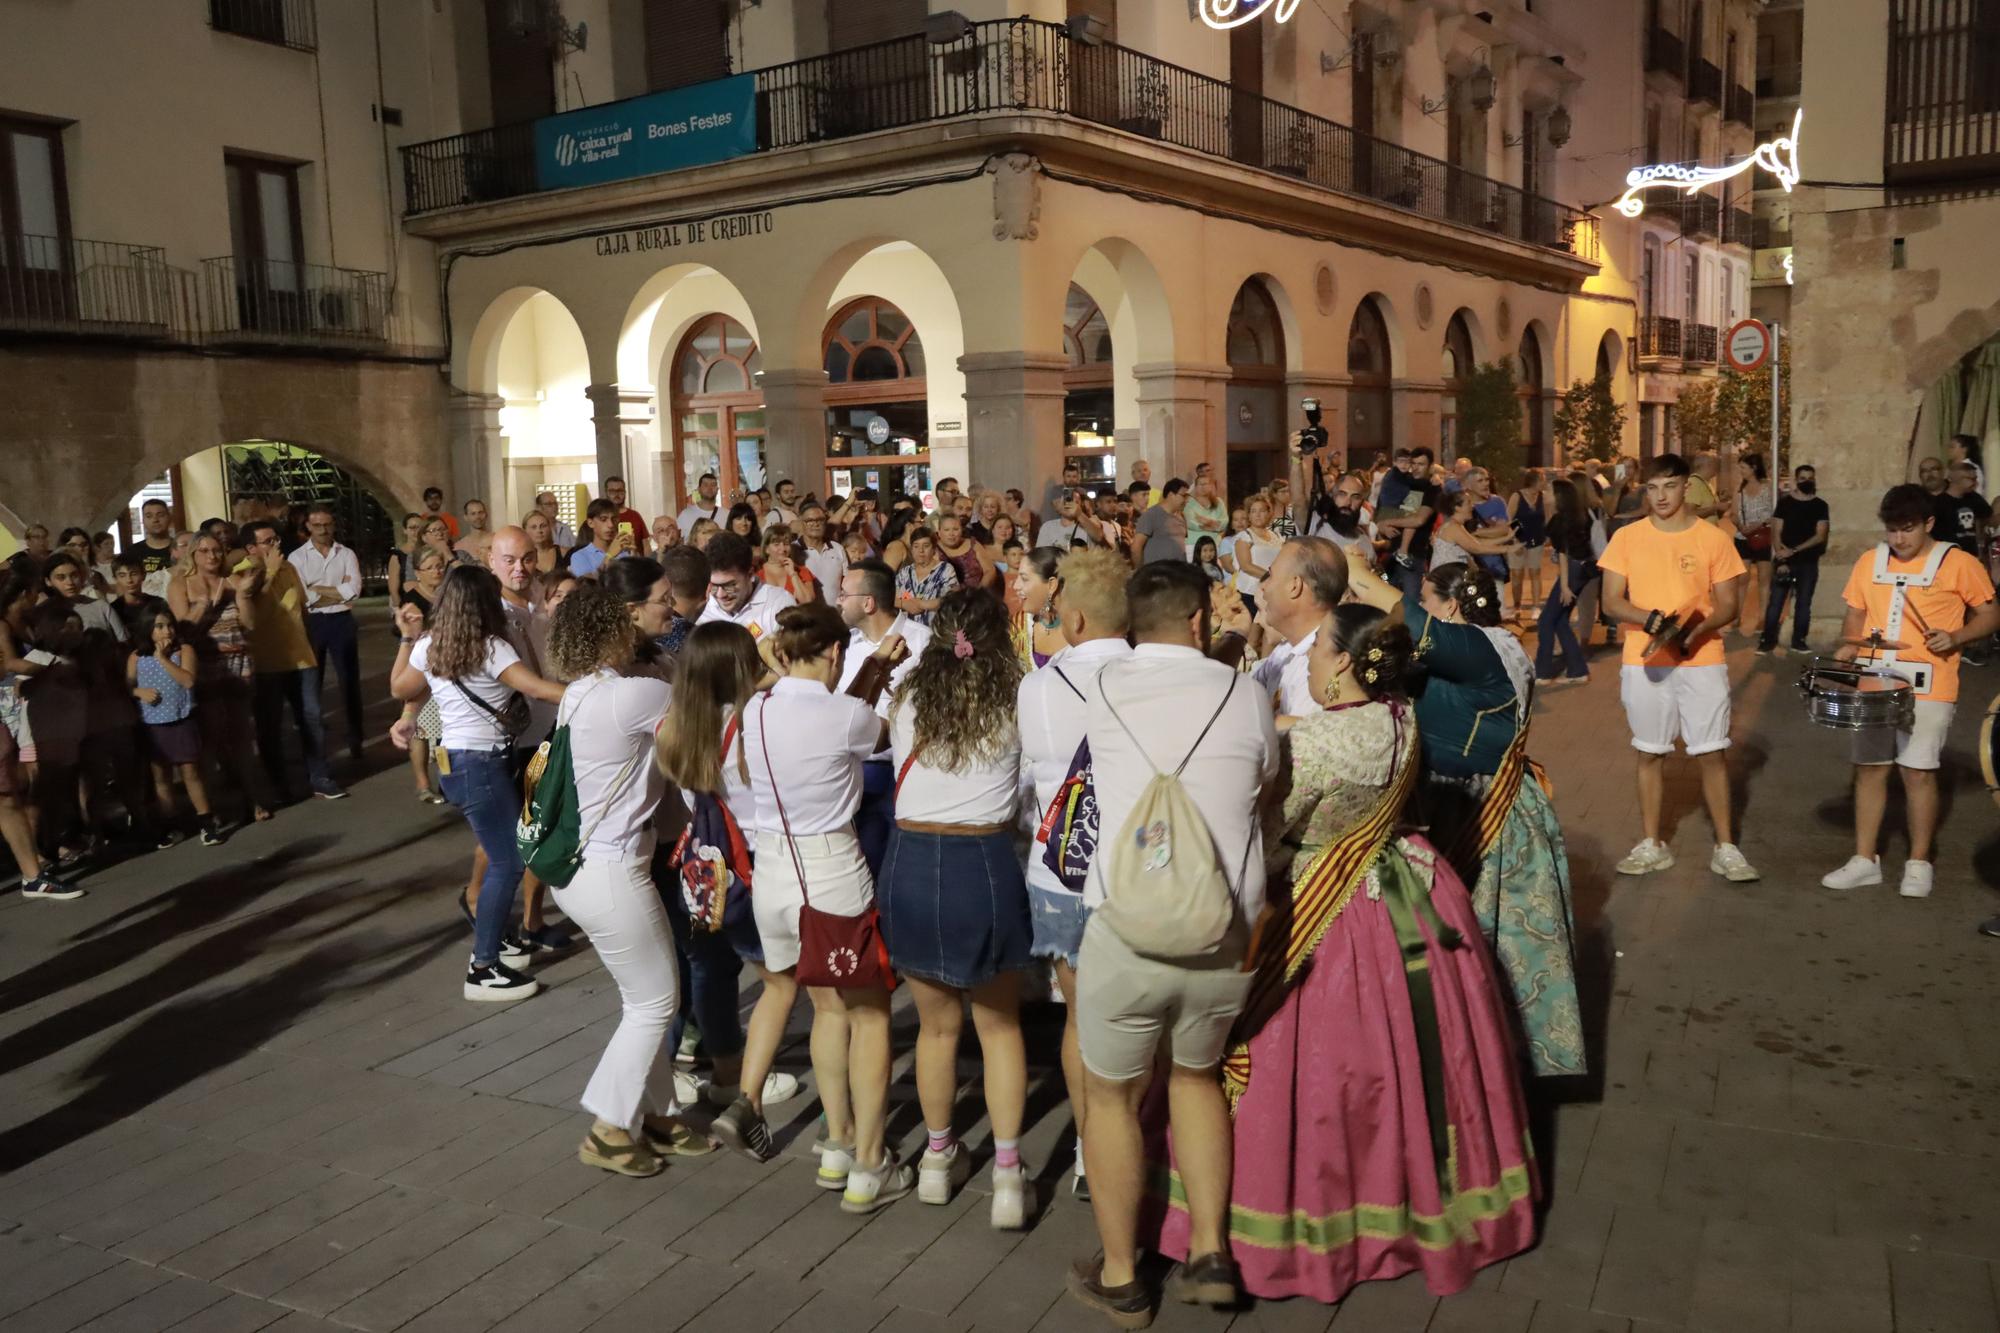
[687,41]
[519,68]
[851,23]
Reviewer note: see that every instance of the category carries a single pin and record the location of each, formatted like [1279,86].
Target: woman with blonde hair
[543,553]
[1255,547]
[216,612]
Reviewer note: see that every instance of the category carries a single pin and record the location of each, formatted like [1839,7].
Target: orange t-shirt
[1961,584]
[1670,572]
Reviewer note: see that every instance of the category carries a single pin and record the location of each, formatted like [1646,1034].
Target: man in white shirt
[563,534]
[867,592]
[1167,707]
[332,578]
[735,594]
[1072,527]
[703,506]
[1308,578]
[786,511]
[826,560]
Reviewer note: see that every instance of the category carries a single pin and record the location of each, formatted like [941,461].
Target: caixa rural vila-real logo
[566,150]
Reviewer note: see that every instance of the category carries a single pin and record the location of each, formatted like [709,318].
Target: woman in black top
[1569,539]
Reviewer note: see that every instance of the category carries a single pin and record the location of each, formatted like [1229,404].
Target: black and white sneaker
[515,951]
[331,792]
[742,1129]
[46,885]
[498,983]
[212,834]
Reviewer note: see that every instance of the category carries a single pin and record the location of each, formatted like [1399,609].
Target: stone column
[795,428]
[477,451]
[605,409]
[1181,419]
[1013,418]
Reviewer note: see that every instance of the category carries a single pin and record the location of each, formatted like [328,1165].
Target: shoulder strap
[1065,679]
[1227,694]
[481,705]
[729,736]
[904,772]
[764,741]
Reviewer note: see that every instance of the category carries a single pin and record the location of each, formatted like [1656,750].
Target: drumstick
[1917,616]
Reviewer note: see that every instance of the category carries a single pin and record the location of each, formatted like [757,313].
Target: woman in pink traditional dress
[1378,1119]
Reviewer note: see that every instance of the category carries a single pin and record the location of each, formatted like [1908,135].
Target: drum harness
[1917,673]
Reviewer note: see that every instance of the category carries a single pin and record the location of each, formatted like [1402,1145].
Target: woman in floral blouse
[922,582]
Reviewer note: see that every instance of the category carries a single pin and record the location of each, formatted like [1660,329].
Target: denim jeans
[1805,578]
[1407,576]
[1554,628]
[875,817]
[481,785]
[333,635]
[712,970]
[281,689]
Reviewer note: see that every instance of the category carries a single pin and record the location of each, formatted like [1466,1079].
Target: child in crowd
[160,672]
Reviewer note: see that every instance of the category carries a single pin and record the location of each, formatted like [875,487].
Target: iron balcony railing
[59,284]
[1704,82]
[283,22]
[1023,65]
[276,301]
[1770,233]
[1659,336]
[1698,344]
[1665,54]
[1779,80]
[1739,227]
[1942,112]
[1742,106]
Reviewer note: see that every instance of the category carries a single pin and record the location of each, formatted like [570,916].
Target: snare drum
[1847,697]
[1989,755]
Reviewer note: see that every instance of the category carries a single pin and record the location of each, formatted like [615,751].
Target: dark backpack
[713,861]
[1068,831]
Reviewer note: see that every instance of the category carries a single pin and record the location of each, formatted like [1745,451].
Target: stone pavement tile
[597,1200]
[379,1038]
[1741,1281]
[83,1301]
[797,1245]
[277,1267]
[389,1136]
[1756,1175]
[189,1159]
[1386,1307]
[343,1097]
[270,1078]
[552,1059]
[1553,1318]
[839,1312]
[249,1065]
[270,1228]
[1293,1316]
[328,1019]
[1910,1199]
[165,1306]
[758,1305]
[513,1034]
[1838,1286]
[676,1299]
[1628,1155]
[112,1227]
[1680,1081]
[1942,1293]
[433,1279]
[1649,1264]
[233,1314]
[94,1160]
[35,1266]
[774,1200]
[966,1251]
[918,1321]
[362,1268]
[1575,1127]
[1563,1265]
[1020,1288]
[504,1290]
[564,1087]
[592,1291]
[891,1242]
[542,1170]
[1482,1312]
[298,1321]
[1753,1088]
[494,1144]
[692,1197]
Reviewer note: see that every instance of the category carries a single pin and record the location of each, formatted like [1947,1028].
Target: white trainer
[1730,863]
[1858,873]
[777,1088]
[939,1174]
[1650,855]
[1010,1198]
[1917,879]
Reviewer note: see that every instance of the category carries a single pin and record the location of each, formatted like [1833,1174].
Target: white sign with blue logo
[686,127]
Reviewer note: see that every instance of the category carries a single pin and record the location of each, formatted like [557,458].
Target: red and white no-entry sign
[1747,345]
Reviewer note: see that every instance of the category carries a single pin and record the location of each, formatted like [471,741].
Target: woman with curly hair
[612,717]
[467,665]
[1364,1090]
[954,903]
[1487,804]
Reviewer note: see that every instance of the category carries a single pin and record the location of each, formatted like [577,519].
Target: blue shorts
[1059,919]
[954,907]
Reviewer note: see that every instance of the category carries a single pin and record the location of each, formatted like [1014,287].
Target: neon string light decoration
[1780,157]
[1223,15]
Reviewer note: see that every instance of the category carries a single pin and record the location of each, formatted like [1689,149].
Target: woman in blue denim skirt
[953,900]
[467,665]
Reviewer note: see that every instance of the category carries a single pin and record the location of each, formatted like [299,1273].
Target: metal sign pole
[1777,332]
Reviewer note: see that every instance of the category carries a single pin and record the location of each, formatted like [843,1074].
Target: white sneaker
[687,1090]
[869,1190]
[1010,1198]
[777,1088]
[1650,855]
[1917,878]
[1730,863]
[836,1163]
[939,1174]
[1858,873]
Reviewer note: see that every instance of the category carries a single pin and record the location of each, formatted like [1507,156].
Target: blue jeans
[875,817]
[713,971]
[1554,628]
[481,785]
[333,636]
[1407,576]
[1805,578]
[299,691]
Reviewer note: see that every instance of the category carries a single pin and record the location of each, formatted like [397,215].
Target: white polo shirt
[1052,719]
[828,564]
[1287,675]
[816,741]
[859,647]
[1165,694]
[759,612]
[612,720]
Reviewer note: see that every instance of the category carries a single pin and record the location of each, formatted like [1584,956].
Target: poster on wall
[642,136]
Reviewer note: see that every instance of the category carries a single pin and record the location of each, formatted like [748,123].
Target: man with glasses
[826,560]
[614,491]
[562,533]
[868,605]
[283,653]
[331,574]
[734,592]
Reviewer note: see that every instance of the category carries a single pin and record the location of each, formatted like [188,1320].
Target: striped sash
[1478,837]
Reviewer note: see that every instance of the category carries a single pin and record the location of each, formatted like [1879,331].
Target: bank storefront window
[1089,424]
[718,412]
[877,415]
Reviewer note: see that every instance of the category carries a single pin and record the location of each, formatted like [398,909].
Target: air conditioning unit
[335,310]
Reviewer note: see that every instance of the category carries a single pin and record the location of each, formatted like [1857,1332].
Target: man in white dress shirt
[332,577]
[1308,578]
[827,560]
[1166,708]
[734,592]
[867,591]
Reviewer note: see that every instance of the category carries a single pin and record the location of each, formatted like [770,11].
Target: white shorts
[1688,703]
[836,875]
[1920,747]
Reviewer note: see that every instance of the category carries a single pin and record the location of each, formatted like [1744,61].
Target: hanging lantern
[1480,88]
[1559,126]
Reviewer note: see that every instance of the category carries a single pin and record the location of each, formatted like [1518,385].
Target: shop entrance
[718,413]
[877,411]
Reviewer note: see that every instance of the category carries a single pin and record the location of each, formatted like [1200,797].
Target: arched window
[1256,338]
[718,410]
[1607,358]
[878,421]
[1458,365]
[1089,406]
[1534,398]
[1257,421]
[1369,425]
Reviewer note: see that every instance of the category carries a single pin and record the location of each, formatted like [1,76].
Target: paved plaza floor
[239,1090]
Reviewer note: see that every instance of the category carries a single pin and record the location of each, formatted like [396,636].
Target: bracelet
[406,641]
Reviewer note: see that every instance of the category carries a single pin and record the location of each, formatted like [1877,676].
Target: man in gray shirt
[1163,528]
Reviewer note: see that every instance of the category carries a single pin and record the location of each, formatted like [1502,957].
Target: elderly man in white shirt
[332,578]
[1200,718]
[735,594]
[867,591]
[1307,579]
[827,560]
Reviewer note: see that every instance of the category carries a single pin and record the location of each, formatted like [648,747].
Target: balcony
[1699,215]
[1665,54]
[1739,227]
[1778,80]
[273,302]
[61,285]
[281,22]
[1942,113]
[1659,338]
[1704,82]
[1019,67]
[1698,345]
[1741,106]
[1770,233]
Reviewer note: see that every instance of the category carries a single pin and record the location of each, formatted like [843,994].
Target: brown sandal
[677,1140]
[627,1159]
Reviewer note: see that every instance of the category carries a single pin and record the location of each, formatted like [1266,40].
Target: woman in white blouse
[806,747]
[954,903]
[1255,547]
